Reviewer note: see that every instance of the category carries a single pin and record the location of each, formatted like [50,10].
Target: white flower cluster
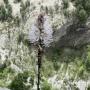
[46,35]
[34,34]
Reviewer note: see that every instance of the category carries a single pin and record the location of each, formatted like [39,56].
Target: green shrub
[65,4]
[88,88]
[18,82]
[46,86]
[56,7]
[46,9]
[87,6]
[4,72]
[82,15]
[83,9]
[47,68]
[24,9]
[6,1]
[51,11]
[27,4]
[88,65]
[2,13]
[82,2]
[9,11]
[17,1]
[72,0]
[66,13]
[5,12]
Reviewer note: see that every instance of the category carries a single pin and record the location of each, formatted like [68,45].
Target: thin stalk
[40,48]
[39,66]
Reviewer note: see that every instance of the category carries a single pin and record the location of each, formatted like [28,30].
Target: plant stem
[40,48]
[39,66]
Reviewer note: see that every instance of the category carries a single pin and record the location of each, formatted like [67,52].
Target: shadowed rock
[2,66]
[72,35]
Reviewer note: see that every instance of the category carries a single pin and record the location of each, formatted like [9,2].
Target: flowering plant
[41,35]
[45,35]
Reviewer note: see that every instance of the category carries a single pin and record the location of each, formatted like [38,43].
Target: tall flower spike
[45,35]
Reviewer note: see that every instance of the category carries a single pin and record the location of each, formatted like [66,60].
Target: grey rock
[72,35]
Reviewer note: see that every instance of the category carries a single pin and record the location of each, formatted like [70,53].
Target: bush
[46,9]
[88,88]
[17,1]
[65,4]
[72,0]
[46,86]
[47,68]
[24,9]
[6,1]
[9,11]
[18,82]
[82,15]
[66,13]
[2,13]
[88,65]
[5,12]
[82,2]
[56,7]
[87,7]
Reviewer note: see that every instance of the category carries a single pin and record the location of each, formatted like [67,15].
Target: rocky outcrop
[72,35]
